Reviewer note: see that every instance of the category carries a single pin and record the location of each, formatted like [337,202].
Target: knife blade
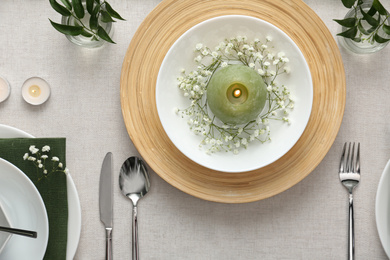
[105,201]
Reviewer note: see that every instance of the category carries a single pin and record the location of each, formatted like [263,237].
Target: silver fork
[349,174]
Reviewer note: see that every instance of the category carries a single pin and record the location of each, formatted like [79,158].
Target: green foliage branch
[98,10]
[377,17]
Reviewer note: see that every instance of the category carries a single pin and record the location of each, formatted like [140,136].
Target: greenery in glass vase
[99,11]
[370,26]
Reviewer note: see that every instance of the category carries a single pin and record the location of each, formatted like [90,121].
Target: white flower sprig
[258,56]
[41,160]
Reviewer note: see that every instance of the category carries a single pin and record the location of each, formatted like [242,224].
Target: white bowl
[210,33]
[4,221]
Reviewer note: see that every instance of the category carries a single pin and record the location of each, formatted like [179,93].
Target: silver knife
[105,201]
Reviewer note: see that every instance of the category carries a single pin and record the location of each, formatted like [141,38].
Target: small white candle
[35,91]
[5,89]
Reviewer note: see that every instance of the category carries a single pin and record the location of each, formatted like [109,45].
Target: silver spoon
[21,232]
[134,184]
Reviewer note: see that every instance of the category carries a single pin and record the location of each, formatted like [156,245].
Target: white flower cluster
[39,159]
[257,55]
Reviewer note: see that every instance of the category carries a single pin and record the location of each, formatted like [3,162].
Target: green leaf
[379,7]
[380,39]
[86,34]
[348,3]
[90,6]
[67,29]
[112,12]
[93,20]
[348,22]
[350,33]
[386,29]
[104,35]
[106,17]
[372,11]
[67,4]
[371,20]
[361,28]
[78,8]
[59,8]
[357,39]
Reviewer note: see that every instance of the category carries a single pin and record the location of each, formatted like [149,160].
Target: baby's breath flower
[46,148]
[44,156]
[33,150]
[261,72]
[25,156]
[199,46]
[55,159]
[198,58]
[268,38]
[224,64]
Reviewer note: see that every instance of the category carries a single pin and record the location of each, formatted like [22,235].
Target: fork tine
[348,162]
[342,160]
[358,159]
[352,165]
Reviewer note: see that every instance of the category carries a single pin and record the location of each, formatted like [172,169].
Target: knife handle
[108,243]
[135,234]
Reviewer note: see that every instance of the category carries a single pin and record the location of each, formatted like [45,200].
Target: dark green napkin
[51,186]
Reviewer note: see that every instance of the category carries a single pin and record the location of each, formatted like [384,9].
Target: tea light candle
[35,91]
[5,89]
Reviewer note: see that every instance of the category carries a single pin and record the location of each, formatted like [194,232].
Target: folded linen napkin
[47,172]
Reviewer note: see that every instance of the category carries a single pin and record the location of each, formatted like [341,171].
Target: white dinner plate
[181,56]
[25,209]
[4,222]
[382,209]
[74,209]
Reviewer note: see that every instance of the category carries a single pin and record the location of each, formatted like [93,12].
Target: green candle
[236,94]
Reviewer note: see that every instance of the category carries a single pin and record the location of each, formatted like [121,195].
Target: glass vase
[367,44]
[83,41]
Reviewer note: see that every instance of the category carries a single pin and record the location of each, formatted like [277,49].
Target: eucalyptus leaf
[59,8]
[348,22]
[350,33]
[371,20]
[112,12]
[106,17]
[104,35]
[348,3]
[67,4]
[386,29]
[90,6]
[78,8]
[67,29]
[379,7]
[380,39]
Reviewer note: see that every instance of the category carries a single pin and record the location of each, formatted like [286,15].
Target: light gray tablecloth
[308,221]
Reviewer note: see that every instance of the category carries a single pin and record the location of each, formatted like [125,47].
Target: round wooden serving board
[161,28]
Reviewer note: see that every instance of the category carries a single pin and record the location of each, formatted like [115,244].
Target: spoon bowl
[134,184]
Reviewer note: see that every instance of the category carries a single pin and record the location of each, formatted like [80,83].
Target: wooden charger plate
[161,28]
